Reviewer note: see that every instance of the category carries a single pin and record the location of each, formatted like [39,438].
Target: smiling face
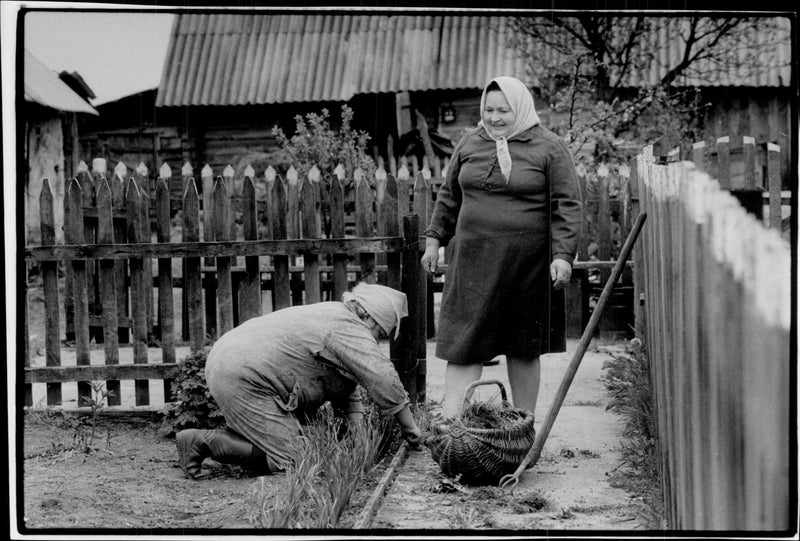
[497,114]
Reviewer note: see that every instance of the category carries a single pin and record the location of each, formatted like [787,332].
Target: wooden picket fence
[115,229]
[717,285]
[751,171]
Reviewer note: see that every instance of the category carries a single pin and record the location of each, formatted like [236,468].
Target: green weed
[328,464]
[192,406]
[627,379]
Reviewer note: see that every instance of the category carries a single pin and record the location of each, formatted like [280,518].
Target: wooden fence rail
[718,302]
[110,238]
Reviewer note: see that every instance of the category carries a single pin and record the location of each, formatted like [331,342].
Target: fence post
[269,219]
[208,274]
[28,388]
[50,282]
[293,230]
[639,312]
[108,290]
[143,183]
[388,226]
[310,230]
[749,196]
[364,221]
[774,184]
[120,237]
[410,327]
[280,270]
[221,205]
[250,289]
[192,279]
[73,221]
[724,162]
[138,287]
[89,236]
[403,191]
[421,204]
[166,313]
[337,231]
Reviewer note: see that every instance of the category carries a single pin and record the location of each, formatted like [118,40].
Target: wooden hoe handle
[511,480]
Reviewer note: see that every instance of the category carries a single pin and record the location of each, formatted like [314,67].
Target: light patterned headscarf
[385,305]
[525,116]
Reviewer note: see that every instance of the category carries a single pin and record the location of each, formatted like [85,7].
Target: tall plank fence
[718,304]
[121,242]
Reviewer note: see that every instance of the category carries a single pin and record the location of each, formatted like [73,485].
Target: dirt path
[569,487]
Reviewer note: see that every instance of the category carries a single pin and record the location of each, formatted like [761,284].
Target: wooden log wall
[718,300]
[144,247]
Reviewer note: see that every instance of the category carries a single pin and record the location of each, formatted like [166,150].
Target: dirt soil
[130,481]
[573,486]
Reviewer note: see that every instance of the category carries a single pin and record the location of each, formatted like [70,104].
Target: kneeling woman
[272,371]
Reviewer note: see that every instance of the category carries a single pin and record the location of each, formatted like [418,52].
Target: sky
[117,54]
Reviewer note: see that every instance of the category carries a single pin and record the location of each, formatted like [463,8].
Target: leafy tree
[595,77]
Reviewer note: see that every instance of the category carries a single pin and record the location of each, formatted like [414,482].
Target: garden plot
[131,478]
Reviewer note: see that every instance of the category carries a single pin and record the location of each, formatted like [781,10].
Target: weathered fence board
[718,289]
[310,230]
[280,263]
[73,233]
[50,284]
[120,237]
[166,315]
[250,288]
[192,280]
[337,231]
[364,226]
[139,289]
[108,289]
[222,230]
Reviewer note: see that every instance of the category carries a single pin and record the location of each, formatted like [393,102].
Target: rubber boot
[195,445]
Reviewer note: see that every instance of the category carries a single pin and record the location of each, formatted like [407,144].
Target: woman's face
[497,114]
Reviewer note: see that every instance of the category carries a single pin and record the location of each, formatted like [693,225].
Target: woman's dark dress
[497,286]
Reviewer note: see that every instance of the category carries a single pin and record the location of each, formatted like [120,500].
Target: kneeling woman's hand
[409,428]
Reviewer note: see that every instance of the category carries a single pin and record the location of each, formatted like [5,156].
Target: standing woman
[511,205]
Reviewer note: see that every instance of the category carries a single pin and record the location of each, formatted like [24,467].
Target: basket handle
[470,390]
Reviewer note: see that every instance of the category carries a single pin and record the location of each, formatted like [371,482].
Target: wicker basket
[481,456]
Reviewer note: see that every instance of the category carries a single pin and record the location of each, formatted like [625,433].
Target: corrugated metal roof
[44,87]
[237,59]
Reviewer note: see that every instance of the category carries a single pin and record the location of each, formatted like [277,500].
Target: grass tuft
[627,379]
[328,464]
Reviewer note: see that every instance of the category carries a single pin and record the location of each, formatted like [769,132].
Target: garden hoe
[510,481]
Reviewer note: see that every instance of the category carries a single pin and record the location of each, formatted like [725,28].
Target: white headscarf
[385,305]
[521,102]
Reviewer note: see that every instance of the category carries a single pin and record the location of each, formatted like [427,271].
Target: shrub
[192,406]
[316,143]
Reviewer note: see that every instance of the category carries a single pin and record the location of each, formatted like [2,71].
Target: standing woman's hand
[430,259]
[560,273]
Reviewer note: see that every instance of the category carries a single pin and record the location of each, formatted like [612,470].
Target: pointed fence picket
[125,232]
